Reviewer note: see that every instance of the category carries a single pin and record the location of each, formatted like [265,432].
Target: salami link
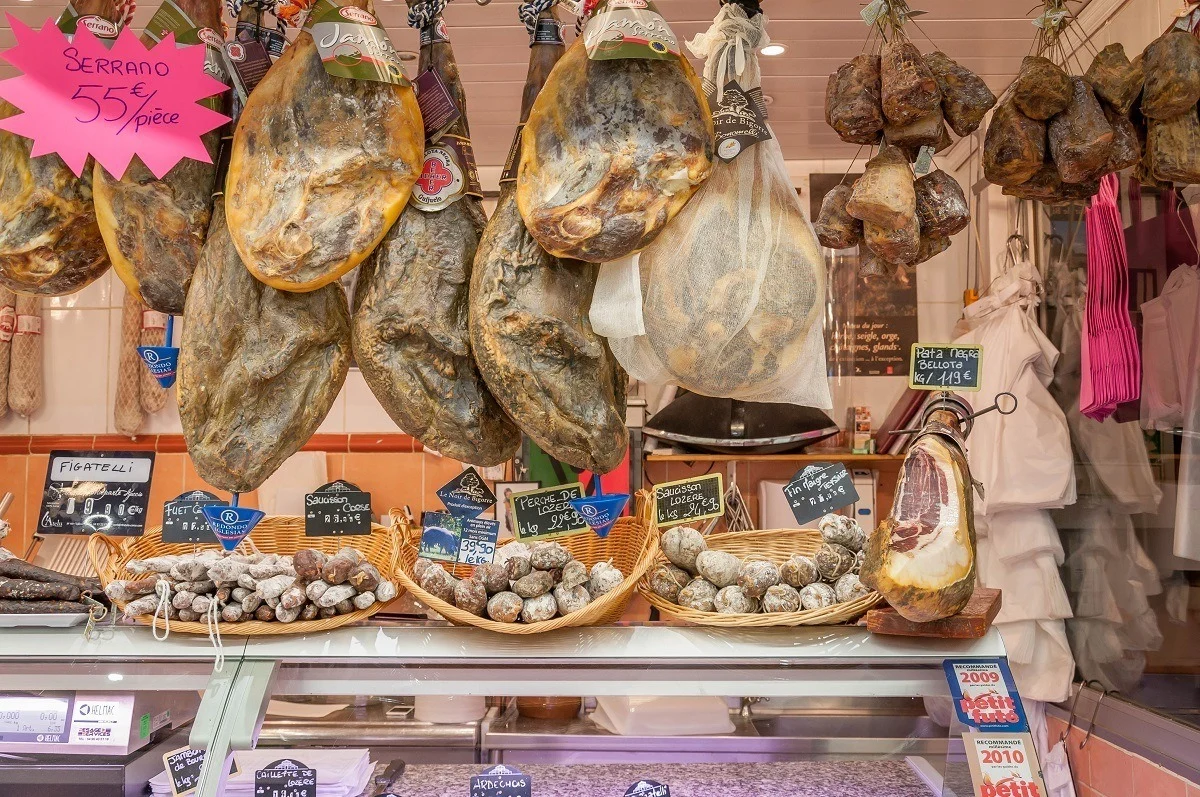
[19,568]
[42,607]
[26,590]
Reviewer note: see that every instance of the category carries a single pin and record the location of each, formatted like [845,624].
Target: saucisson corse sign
[81,99]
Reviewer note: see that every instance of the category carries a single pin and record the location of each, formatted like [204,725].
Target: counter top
[797,779]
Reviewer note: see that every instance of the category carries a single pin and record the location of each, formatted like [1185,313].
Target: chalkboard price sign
[96,491]
[818,490]
[339,508]
[183,769]
[501,780]
[478,543]
[945,367]
[183,518]
[285,778]
[688,500]
[546,513]
[648,788]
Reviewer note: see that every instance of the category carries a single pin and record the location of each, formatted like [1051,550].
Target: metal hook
[482,2]
[994,408]
[1095,713]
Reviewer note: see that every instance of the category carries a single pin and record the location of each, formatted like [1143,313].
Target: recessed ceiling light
[768,99]
[408,55]
[773,49]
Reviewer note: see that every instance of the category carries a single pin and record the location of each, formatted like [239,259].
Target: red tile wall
[1105,770]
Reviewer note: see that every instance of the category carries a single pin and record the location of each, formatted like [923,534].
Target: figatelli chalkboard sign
[818,490]
[183,769]
[546,513]
[96,491]
[183,518]
[339,508]
[938,367]
[688,500]
[285,778]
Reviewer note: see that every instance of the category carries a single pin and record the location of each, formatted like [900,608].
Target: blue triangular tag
[162,362]
[232,524]
[601,512]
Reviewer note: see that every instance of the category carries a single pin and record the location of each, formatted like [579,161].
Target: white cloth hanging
[1023,460]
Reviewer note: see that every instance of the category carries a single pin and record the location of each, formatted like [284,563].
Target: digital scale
[85,723]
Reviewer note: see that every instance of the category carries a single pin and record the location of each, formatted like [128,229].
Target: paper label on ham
[739,116]
[29,325]
[353,44]
[170,18]
[437,33]
[102,28]
[449,175]
[152,319]
[8,323]
[629,29]
[438,108]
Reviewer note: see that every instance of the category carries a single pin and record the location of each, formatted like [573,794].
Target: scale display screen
[40,719]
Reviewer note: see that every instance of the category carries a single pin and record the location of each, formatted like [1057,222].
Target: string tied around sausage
[212,618]
[162,589]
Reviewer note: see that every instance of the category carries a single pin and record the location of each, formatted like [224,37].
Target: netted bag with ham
[743,320]
[128,414]
[26,382]
[613,150]
[1172,65]
[8,326]
[50,243]
[321,168]
[530,332]
[154,229]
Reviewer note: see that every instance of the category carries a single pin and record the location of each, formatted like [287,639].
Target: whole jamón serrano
[411,336]
[530,330]
[50,243]
[321,168]
[259,368]
[154,229]
[612,151]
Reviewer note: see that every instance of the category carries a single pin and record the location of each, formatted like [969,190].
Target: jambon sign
[79,98]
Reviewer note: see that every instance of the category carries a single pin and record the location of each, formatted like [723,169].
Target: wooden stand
[971,623]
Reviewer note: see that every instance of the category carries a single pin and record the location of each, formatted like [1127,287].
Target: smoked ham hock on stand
[529,323]
[154,229]
[321,168]
[922,557]
[614,148]
[50,244]
[411,335]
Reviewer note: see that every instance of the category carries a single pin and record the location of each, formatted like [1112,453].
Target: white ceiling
[492,48]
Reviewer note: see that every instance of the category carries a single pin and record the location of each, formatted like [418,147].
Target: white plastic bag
[734,287]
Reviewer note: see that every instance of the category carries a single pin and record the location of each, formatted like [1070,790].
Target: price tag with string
[924,161]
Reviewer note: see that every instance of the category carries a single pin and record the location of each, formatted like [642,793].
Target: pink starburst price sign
[80,98]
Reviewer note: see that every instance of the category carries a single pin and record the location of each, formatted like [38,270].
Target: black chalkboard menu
[688,500]
[820,489]
[96,491]
[183,518]
[546,513]
[183,769]
[285,778]
[339,508]
[945,367]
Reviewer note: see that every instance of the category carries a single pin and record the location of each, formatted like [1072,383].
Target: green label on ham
[353,44]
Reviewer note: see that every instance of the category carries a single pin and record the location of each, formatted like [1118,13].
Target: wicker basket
[776,545]
[632,545]
[278,534]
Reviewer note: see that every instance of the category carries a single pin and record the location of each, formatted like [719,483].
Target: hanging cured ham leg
[154,229]
[612,151]
[410,304]
[530,329]
[922,558]
[321,167]
[50,244]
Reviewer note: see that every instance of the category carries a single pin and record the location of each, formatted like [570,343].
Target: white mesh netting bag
[728,301]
